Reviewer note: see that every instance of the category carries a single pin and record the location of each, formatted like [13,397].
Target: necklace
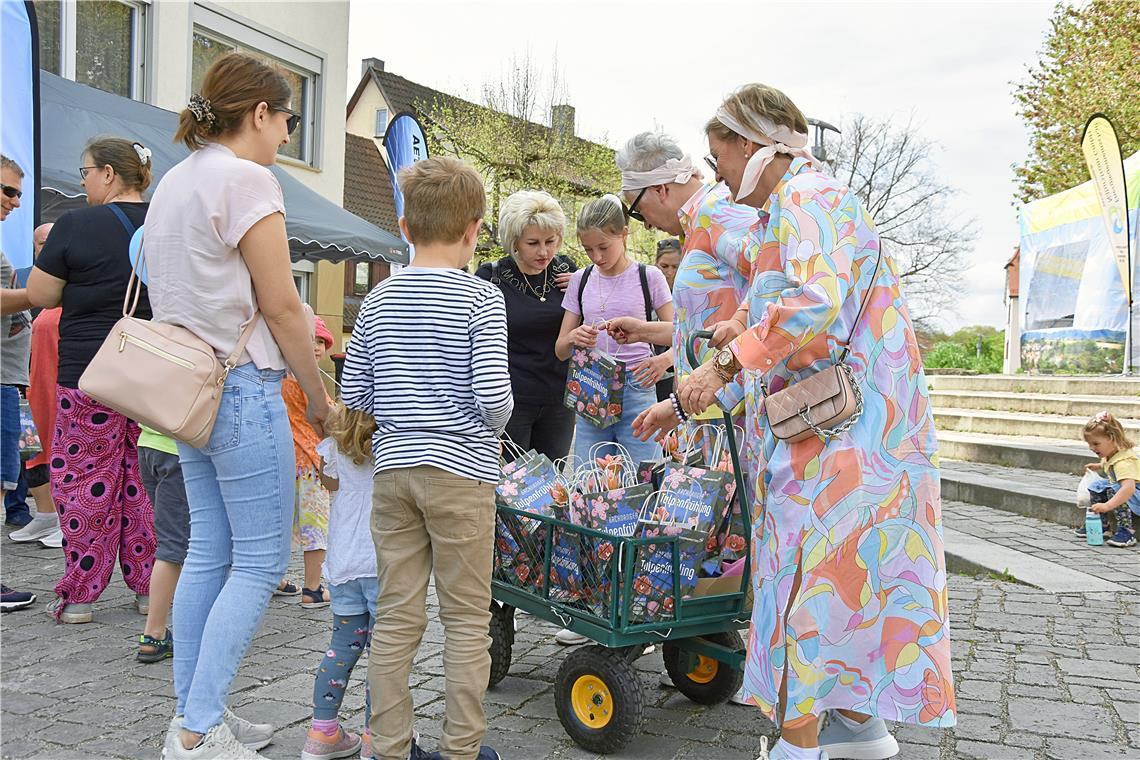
[522,283]
[545,284]
[603,300]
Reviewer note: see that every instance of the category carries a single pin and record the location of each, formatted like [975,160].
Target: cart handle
[734,451]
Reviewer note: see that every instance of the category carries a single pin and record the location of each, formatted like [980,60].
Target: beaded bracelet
[677,410]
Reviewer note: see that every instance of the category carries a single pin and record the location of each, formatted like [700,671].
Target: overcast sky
[631,66]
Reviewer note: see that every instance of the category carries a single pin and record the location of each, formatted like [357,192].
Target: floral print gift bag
[595,386]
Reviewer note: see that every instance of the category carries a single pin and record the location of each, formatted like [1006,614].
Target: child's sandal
[286,588]
[159,649]
[312,599]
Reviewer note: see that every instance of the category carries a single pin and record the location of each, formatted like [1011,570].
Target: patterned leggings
[103,510]
[349,640]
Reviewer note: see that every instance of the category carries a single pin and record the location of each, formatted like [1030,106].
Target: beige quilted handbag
[161,375]
[825,404]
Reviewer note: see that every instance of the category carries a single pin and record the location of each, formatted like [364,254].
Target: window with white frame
[302,278]
[101,43]
[216,34]
[381,121]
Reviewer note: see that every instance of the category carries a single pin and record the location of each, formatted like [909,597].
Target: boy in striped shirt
[428,358]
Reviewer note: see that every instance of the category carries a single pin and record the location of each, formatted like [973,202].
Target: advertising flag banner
[405,143]
[19,139]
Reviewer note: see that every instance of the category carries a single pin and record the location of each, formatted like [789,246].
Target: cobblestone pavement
[1045,540]
[1039,676]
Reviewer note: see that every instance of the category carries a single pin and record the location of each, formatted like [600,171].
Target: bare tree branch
[890,168]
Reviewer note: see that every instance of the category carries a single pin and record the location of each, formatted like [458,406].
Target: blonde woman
[532,278]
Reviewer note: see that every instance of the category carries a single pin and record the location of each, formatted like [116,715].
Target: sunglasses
[711,161]
[12,192]
[293,121]
[632,211]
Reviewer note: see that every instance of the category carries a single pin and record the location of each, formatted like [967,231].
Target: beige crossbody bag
[161,375]
[825,404]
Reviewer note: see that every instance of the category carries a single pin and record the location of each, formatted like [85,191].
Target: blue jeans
[10,465]
[635,401]
[240,489]
[1106,486]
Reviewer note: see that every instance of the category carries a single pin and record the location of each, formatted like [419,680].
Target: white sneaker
[739,698]
[665,681]
[252,735]
[53,540]
[37,528]
[568,638]
[219,743]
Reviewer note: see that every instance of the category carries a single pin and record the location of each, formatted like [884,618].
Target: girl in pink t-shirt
[616,286]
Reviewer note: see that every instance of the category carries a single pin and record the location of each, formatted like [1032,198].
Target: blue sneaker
[1122,538]
[870,741]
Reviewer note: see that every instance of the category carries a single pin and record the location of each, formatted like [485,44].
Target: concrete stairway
[1011,445]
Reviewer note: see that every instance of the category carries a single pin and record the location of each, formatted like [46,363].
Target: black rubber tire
[502,640]
[724,683]
[620,677]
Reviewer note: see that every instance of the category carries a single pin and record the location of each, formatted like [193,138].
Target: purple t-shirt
[619,296]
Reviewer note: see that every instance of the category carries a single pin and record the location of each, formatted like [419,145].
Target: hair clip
[143,152]
[1102,416]
[201,109]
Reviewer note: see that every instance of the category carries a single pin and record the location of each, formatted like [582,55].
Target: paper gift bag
[527,484]
[29,437]
[595,385]
[653,597]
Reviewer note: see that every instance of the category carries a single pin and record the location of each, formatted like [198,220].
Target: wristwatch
[725,365]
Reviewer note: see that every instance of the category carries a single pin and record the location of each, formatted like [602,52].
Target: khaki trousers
[426,520]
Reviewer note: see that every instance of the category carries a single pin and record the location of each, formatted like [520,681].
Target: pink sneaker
[366,745]
[319,747]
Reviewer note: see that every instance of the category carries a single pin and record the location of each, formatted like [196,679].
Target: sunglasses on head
[293,121]
[12,192]
[632,211]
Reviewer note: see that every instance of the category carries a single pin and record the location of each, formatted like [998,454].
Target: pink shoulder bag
[160,375]
[825,404]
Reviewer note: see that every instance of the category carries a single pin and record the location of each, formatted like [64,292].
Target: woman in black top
[532,279]
[84,266]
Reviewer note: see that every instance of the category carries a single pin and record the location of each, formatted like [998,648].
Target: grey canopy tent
[72,113]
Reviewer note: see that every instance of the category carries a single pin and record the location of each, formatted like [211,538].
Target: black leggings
[546,428]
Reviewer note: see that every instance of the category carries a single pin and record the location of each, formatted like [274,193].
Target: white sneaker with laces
[219,743]
[568,638]
[252,735]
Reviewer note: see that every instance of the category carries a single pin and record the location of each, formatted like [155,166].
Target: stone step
[1038,553]
[1048,496]
[1017,423]
[1123,407]
[1084,385]
[1043,454]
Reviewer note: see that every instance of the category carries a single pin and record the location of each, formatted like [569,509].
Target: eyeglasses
[84,169]
[293,121]
[710,159]
[632,211]
[12,192]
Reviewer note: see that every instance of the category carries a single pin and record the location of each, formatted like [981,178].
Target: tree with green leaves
[1090,62]
[521,137]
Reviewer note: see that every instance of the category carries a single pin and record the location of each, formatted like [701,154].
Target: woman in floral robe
[850,614]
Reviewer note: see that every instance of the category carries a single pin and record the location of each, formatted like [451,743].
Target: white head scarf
[776,138]
[679,170]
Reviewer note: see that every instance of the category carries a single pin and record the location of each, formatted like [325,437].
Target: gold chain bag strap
[825,404]
[161,375]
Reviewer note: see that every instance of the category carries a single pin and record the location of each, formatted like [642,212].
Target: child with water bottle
[1115,491]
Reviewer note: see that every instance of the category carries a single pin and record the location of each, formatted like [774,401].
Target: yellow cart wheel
[598,698]
[703,679]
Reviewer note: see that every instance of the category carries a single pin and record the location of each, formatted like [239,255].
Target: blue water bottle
[1094,531]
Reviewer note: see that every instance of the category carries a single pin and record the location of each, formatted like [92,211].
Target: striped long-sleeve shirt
[428,358]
